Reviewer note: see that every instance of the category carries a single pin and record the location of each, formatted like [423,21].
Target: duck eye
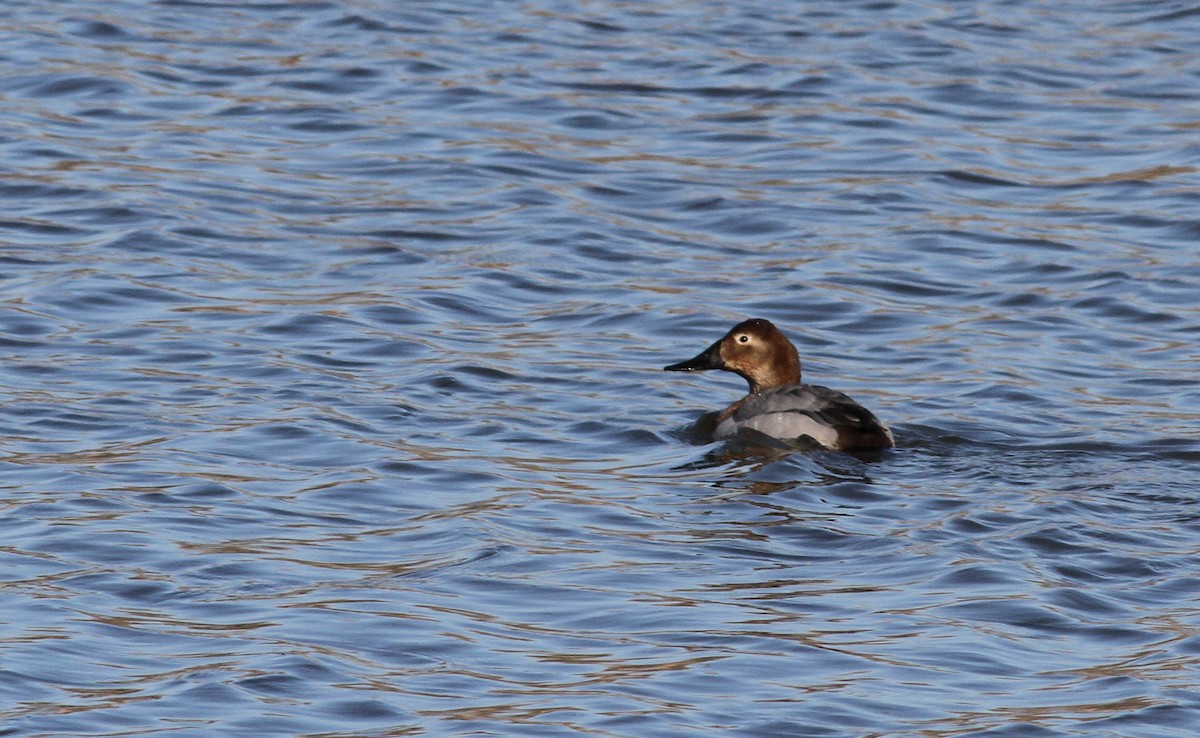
[743,338]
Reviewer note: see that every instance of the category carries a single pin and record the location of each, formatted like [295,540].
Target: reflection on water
[332,402]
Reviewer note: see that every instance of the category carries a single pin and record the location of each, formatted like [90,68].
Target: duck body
[798,411]
[779,405]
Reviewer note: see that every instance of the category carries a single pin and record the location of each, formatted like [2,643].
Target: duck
[779,404]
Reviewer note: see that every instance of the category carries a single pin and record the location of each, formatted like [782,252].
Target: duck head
[755,350]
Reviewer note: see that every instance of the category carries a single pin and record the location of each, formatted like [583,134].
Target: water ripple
[333,406]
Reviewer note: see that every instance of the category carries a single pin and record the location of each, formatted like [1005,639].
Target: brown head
[755,350]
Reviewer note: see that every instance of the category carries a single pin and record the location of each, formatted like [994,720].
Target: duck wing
[827,416]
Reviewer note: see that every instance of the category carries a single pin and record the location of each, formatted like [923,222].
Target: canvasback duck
[779,404]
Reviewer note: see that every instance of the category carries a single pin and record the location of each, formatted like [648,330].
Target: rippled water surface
[332,401]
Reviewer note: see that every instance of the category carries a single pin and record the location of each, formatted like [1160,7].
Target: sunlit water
[332,400]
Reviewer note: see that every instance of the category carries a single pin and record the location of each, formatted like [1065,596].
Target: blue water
[332,400]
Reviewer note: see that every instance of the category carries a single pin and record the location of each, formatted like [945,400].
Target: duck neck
[784,371]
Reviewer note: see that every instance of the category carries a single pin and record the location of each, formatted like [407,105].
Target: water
[332,402]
